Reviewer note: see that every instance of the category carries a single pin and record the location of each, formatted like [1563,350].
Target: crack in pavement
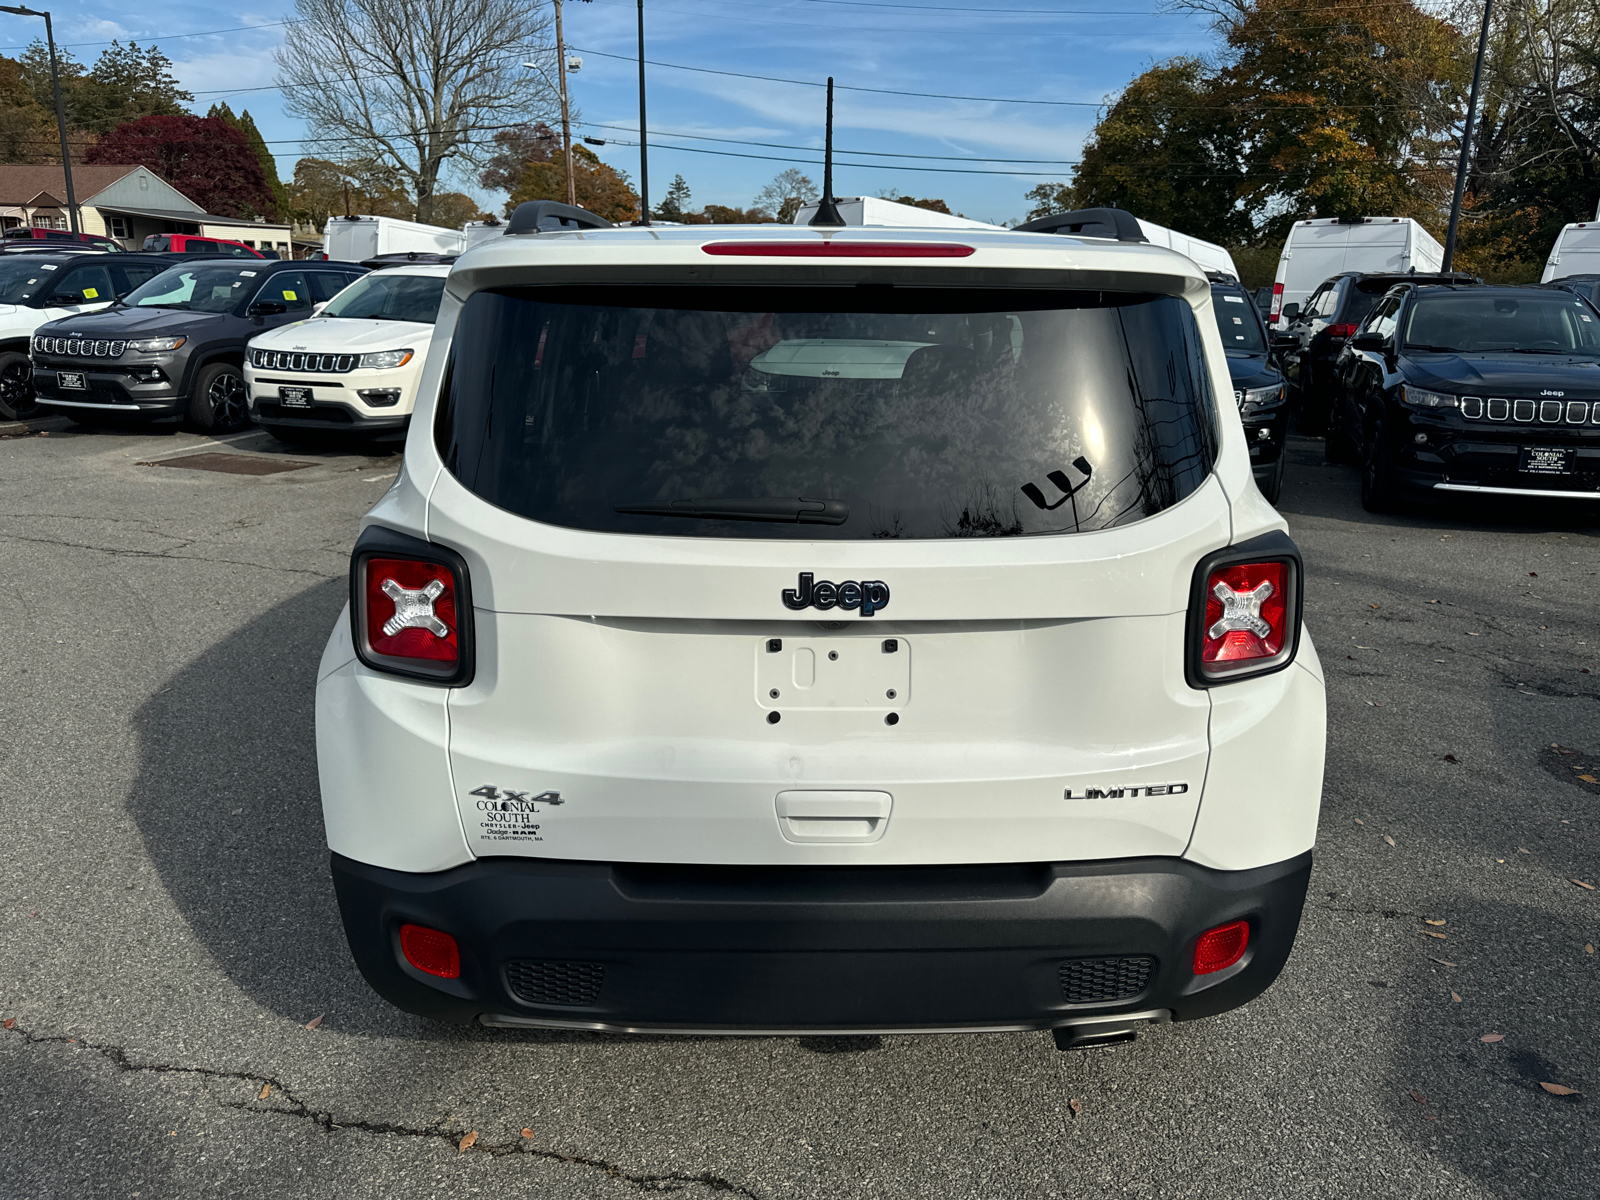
[236,562]
[672,1181]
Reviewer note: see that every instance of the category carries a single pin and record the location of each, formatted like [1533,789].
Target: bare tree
[416,83]
[787,194]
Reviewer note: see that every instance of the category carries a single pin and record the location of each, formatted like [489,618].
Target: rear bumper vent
[1102,980]
[555,982]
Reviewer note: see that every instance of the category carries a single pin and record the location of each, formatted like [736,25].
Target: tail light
[1218,949]
[411,608]
[1244,611]
[1339,332]
[1277,302]
[432,951]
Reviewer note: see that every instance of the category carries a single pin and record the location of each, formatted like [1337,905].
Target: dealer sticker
[505,815]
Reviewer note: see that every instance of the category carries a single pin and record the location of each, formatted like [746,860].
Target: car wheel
[16,386]
[1273,488]
[220,403]
[1380,486]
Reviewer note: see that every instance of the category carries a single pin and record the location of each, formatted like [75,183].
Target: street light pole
[61,116]
[644,146]
[566,112]
[1466,141]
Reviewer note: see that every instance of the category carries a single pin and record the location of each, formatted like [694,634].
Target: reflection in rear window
[895,413]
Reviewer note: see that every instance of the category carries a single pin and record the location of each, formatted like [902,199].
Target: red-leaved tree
[206,159]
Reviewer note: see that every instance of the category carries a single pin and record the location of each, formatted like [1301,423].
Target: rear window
[1237,321]
[827,413]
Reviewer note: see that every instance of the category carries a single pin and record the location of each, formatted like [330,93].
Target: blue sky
[1039,51]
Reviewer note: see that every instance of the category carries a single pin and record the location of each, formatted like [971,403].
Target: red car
[63,235]
[193,243]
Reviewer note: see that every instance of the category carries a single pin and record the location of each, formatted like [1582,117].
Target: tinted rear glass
[922,413]
[1237,321]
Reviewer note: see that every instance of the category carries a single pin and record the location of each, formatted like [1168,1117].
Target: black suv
[175,347]
[1486,390]
[1587,286]
[1258,387]
[50,283]
[1310,343]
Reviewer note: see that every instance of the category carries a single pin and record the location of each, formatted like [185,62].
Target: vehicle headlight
[1417,398]
[385,359]
[156,345]
[1252,400]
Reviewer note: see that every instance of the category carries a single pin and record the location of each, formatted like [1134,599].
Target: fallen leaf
[1359,821]
[465,1143]
[1442,962]
[1456,996]
[1417,1096]
[1588,948]
[1433,602]
[266,1090]
[1523,850]
[1499,860]
[1372,606]
[1388,839]
[527,1133]
[314,1022]
[1559,1089]
[1449,758]
[1471,634]
[1493,1037]
[11,1022]
[1431,921]
[1589,779]
[1076,1106]
[1588,887]
[1429,1117]
[1533,574]
[1432,934]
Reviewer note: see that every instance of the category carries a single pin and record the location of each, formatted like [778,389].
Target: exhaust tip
[1090,1037]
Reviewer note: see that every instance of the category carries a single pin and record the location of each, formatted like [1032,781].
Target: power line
[159,38]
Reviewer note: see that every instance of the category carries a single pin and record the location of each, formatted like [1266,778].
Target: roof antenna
[827,213]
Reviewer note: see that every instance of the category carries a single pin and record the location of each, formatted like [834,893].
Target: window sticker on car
[46,267]
[288,294]
[90,293]
[248,274]
[1233,299]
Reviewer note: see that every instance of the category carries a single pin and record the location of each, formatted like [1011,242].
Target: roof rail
[405,257]
[535,216]
[1116,223]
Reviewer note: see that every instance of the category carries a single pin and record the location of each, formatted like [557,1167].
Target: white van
[1576,252]
[356,239]
[1320,248]
[1207,255]
[871,210]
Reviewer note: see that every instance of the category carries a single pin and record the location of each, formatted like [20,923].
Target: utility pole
[61,116]
[644,147]
[1466,141]
[566,111]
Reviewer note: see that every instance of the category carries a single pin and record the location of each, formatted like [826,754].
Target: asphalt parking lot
[182,1017]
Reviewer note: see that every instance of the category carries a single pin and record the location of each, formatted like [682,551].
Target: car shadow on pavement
[228,805]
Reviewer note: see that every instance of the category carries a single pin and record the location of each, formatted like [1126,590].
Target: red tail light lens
[1219,948]
[1340,332]
[433,952]
[1277,301]
[1244,611]
[411,610]
[1245,614]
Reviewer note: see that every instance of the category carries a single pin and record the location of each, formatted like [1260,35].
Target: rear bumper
[697,949]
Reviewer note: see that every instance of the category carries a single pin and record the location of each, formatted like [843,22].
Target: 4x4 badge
[505,800]
[869,595]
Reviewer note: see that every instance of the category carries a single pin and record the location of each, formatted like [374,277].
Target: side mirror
[1291,311]
[316,309]
[268,308]
[1369,339]
[67,298]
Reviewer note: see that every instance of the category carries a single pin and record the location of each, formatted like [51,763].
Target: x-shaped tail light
[413,608]
[1241,610]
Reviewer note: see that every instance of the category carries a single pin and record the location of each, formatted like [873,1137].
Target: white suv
[353,366]
[777,629]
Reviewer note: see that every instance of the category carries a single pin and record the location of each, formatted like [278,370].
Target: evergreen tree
[246,125]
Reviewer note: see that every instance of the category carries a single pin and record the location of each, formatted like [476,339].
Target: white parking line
[204,442]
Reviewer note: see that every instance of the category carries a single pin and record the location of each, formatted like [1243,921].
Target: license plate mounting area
[73,381]
[1547,460]
[294,397]
[858,673]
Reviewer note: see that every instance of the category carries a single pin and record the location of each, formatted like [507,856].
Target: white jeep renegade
[784,629]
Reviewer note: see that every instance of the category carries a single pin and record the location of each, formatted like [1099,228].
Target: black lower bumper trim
[769,949]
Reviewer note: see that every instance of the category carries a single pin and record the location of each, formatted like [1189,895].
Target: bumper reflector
[431,951]
[1221,947]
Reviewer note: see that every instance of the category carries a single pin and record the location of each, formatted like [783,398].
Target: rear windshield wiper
[752,508]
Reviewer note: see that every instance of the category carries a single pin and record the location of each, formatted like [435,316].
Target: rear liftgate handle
[805,816]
